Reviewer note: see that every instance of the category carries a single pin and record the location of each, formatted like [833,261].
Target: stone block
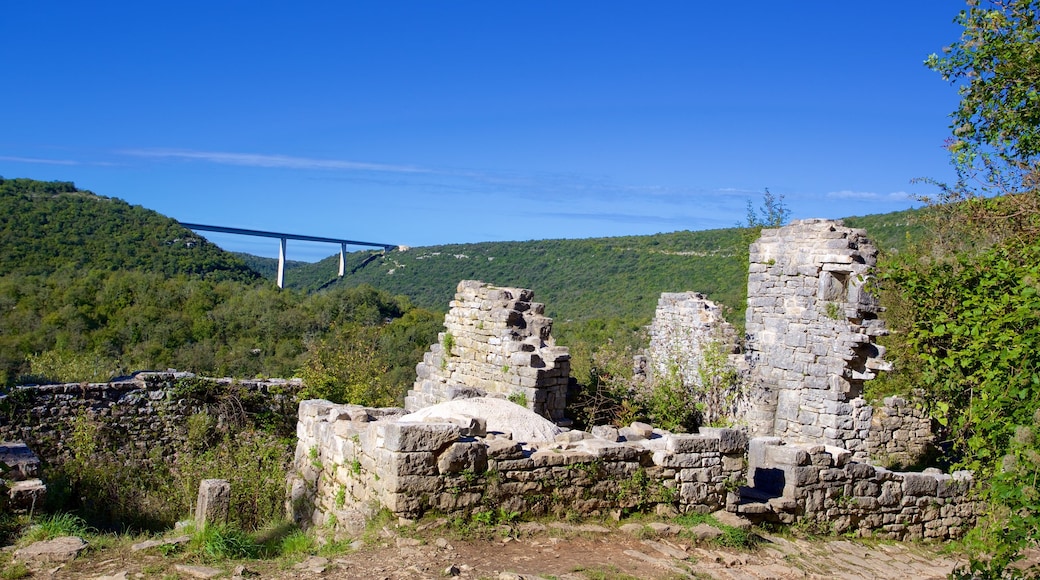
[691,443]
[213,503]
[417,463]
[730,440]
[607,432]
[463,456]
[919,484]
[607,451]
[313,408]
[860,470]
[411,437]
[787,455]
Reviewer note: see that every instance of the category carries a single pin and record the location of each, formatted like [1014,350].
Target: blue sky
[423,123]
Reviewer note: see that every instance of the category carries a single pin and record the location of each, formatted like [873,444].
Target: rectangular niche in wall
[834,286]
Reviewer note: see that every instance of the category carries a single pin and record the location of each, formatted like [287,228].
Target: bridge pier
[281,263]
[342,259]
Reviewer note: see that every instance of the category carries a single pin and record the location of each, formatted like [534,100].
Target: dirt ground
[560,551]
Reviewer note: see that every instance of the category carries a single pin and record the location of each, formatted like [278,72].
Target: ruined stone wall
[822,486]
[683,325]
[900,434]
[811,329]
[146,414]
[499,342]
[351,461]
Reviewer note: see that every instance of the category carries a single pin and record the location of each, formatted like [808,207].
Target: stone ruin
[810,346]
[685,326]
[810,449]
[496,342]
[811,328]
[21,488]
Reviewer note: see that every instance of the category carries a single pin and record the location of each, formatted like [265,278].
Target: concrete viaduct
[284,237]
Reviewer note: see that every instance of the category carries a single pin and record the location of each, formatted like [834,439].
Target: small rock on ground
[201,572]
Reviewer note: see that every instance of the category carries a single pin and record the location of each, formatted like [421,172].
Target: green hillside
[92,287]
[46,227]
[579,280]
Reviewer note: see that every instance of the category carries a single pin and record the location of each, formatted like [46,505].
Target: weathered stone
[148,544]
[608,432]
[201,572]
[730,440]
[420,436]
[463,456]
[919,484]
[691,443]
[60,549]
[498,342]
[213,503]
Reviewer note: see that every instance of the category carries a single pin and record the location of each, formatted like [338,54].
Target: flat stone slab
[60,549]
[705,532]
[201,572]
[160,542]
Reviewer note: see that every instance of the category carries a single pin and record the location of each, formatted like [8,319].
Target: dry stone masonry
[811,329]
[822,486]
[684,324]
[900,433]
[350,461]
[496,341]
[149,411]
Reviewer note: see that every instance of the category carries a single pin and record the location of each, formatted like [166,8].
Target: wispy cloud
[38,160]
[271,161]
[870,195]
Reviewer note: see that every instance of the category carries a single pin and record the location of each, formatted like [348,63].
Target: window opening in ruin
[834,286]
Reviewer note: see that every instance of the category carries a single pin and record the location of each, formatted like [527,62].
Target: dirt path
[559,553]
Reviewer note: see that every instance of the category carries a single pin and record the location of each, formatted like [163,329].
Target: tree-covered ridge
[46,227]
[579,280]
[91,325]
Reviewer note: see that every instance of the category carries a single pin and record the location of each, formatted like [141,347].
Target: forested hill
[598,278]
[46,227]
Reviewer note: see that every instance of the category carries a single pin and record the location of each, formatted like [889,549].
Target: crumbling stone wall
[146,413]
[351,461]
[822,485]
[900,433]
[811,327]
[683,325]
[496,341]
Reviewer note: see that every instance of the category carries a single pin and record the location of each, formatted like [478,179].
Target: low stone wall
[821,485]
[147,414]
[351,461]
[900,434]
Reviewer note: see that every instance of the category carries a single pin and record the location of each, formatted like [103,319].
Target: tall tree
[996,66]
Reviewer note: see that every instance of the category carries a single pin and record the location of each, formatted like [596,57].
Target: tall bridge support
[281,263]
